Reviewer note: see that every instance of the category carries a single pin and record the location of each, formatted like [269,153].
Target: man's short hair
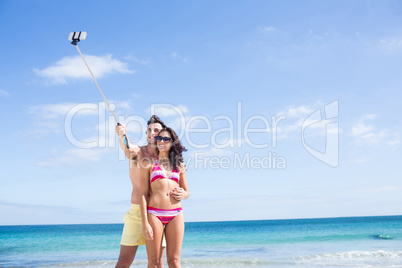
[154,120]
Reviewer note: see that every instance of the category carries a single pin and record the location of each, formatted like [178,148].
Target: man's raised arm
[132,149]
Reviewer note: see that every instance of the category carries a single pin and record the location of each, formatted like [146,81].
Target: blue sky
[220,73]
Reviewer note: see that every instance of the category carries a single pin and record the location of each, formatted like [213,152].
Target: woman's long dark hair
[175,153]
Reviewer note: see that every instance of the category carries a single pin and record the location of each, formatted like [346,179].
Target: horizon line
[284,219]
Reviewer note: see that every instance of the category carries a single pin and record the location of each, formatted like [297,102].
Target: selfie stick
[75,37]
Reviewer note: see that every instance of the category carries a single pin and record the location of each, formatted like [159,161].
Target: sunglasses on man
[164,139]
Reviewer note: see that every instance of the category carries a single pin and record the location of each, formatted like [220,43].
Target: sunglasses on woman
[165,139]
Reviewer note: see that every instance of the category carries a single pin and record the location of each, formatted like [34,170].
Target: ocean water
[329,242]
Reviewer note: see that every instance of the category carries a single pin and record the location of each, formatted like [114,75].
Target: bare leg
[174,232]
[126,257]
[161,261]
[154,247]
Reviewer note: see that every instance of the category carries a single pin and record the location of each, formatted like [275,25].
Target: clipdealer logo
[330,154]
[239,132]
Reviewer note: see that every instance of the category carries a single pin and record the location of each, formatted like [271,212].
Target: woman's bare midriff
[160,194]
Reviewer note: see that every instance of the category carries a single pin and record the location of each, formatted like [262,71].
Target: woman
[163,185]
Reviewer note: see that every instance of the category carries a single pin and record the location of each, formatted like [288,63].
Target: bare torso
[135,181]
[135,174]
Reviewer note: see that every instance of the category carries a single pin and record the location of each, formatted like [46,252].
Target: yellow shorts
[132,231]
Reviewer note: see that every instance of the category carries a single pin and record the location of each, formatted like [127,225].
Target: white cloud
[167,110]
[125,105]
[383,189]
[283,131]
[179,124]
[307,120]
[297,117]
[365,133]
[52,118]
[145,61]
[269,29]
[368,133]
[361,128]
[175,55]
[47,127]
[4,93]
[360,160]
[394,142]
[70,68]
[373,137]
[74,156]
[300,111]
[369,116]
[391,44]
[53,111]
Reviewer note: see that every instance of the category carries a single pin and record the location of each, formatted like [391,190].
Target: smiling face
[152,132]
[165,142]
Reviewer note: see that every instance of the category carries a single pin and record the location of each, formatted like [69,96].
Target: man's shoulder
[144,151]
[144,147]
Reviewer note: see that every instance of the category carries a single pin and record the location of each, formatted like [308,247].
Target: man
[132,231]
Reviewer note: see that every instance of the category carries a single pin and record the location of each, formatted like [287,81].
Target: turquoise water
[332,242]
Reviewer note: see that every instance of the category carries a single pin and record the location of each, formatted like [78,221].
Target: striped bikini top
[157,173]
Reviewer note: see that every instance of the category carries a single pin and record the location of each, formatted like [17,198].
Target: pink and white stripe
[164,215]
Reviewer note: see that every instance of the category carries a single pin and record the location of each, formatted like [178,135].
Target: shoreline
[346,241]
